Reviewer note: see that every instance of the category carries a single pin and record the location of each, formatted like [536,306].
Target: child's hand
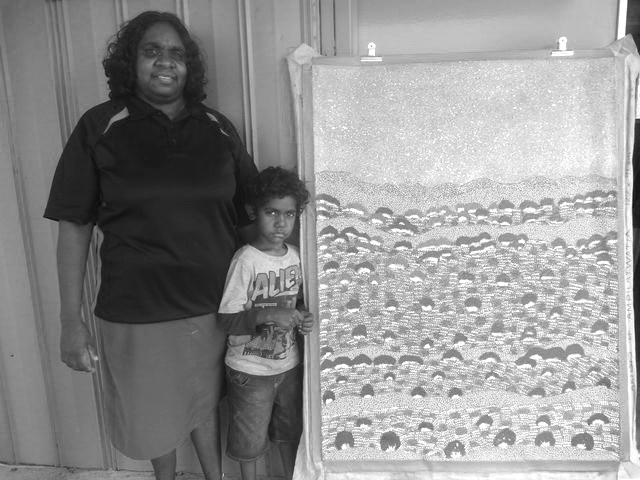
[306,325]
[287,318]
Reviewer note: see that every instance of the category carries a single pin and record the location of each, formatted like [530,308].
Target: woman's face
[161,70]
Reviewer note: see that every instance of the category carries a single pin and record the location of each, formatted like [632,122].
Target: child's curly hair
[276,182]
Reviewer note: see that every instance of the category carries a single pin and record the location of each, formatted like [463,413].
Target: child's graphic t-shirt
[259,280]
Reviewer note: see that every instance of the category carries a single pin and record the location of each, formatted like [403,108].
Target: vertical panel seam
[248,89]
[182,8]
[622,18]
[122,12]
[36,303]
[4,97]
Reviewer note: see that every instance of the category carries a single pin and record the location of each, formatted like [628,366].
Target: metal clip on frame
[372,54]
[562,49]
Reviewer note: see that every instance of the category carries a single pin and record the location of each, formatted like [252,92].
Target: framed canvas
[469,262]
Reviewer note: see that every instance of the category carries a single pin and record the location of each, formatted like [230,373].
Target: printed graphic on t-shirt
[271,342]
[268,288]
[274,289]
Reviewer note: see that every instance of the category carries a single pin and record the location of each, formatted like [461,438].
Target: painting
[471,256]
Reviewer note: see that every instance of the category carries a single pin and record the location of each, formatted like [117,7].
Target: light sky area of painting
[434,123]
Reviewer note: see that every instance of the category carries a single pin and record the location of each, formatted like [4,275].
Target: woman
[158,172]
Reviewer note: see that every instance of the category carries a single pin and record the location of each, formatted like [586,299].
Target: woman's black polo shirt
[164,194]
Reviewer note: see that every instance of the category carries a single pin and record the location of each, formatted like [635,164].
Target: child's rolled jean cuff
[262,409]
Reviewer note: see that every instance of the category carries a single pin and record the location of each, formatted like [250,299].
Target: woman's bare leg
[206,440]
[248,470]
[288,453]
[165,466]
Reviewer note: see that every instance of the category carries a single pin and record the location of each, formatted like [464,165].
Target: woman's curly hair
[276,182]
[120,61]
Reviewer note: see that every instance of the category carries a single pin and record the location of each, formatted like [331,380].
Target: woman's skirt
[161,380]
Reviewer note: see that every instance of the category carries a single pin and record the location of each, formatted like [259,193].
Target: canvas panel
[472,263]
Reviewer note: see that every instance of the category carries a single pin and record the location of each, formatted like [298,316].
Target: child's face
[274,221]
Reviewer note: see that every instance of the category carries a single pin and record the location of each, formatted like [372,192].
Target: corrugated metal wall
[50,73]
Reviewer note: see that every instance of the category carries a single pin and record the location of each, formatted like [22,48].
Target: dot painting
[470,260]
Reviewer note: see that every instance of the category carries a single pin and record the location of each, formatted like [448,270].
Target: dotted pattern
[467,220]
[455,122]
[418,328]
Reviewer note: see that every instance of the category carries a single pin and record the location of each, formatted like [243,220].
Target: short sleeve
[74,194]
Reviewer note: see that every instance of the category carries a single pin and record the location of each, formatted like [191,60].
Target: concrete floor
[10,472]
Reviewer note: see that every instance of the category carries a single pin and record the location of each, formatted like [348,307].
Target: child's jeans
[263,408]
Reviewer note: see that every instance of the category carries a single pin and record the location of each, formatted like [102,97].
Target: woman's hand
[77,346]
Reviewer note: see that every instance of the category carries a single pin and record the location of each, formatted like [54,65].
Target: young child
[262,312]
